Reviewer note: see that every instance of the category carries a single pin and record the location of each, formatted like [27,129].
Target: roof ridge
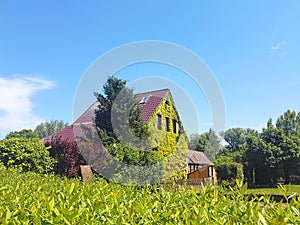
[165,89]
[86,111]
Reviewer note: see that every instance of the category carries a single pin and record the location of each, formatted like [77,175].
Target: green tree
[289,124]
[47,128]
[208,142]
[198,142]
[120,125]
[25,133]
[235,138]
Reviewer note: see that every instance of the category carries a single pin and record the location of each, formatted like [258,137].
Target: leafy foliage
[268,155]
[229,172]
[25,133]
[34,199]
[121,128]
[49,127]
[25,155]
[208,142]
[67,155]
[118,119]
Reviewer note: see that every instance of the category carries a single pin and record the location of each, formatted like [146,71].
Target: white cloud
[278,46]
[15,103]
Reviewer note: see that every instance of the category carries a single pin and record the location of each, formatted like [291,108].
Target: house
[200,167]
[157,110]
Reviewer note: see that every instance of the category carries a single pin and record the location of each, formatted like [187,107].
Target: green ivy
[169,144]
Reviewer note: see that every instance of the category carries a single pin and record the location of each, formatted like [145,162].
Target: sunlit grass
[291,189]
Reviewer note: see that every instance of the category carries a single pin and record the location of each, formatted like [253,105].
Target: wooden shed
[200,167]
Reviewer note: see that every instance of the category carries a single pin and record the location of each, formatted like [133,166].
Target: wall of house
[173,146]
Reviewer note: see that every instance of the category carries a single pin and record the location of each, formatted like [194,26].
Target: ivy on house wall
[173,146]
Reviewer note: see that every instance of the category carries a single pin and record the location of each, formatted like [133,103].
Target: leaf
[71,188]
[296,211]
[262,219]
[51,204]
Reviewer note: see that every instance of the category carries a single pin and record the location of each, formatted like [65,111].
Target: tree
[120,125]
[49,127]
[274,151]
[198,142]
[289,124]
[235,138]
[25,133]
[260,161]
[208,142]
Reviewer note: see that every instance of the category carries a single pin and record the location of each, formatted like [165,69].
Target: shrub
[43,199]
[26,155]
[229,172]
[67,156]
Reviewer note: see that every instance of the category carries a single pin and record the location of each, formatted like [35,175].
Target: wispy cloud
[278,45]
[15,102]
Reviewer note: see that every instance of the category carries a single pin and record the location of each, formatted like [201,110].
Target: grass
[290,189]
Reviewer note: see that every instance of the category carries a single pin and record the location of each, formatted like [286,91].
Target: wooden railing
[196,182]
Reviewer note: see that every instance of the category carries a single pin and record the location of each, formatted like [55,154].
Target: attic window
[167,102]
[144,99]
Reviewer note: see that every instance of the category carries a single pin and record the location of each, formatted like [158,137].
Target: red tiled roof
[159,93]
[87,119]
[72,133]
[89,115]
[155,98]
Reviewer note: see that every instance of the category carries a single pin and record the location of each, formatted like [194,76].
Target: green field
[30,198]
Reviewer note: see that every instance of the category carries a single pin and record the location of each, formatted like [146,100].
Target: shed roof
[199,158]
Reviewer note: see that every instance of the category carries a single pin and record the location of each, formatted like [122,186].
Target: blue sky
[252,48]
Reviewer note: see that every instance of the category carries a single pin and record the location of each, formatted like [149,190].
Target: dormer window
[144,99]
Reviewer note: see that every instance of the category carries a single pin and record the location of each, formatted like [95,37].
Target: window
[158,122]
[175,127]
[144,99]
[167,124]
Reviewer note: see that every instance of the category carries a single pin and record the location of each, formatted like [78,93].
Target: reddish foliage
[68,156]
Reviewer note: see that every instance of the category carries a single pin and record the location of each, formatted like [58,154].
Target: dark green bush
[229,172]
